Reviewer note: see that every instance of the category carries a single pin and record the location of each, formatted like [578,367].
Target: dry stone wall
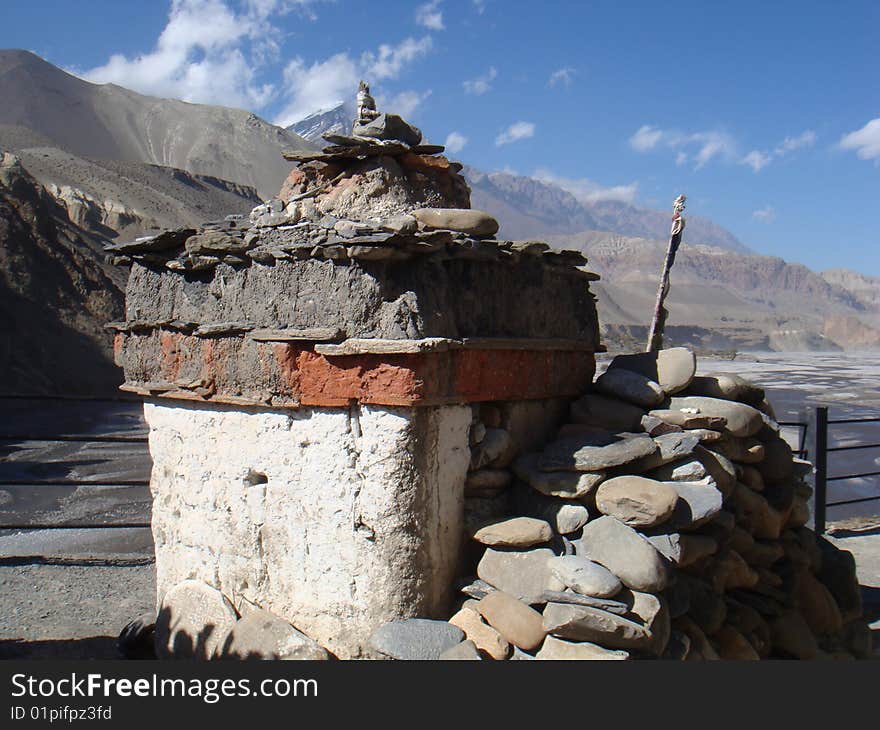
[666,518]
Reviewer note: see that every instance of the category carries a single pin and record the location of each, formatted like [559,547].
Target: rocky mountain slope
[108,122]
[532,208]
[55,294]
[124,199]
[719,299]
[864,288]
[337,120]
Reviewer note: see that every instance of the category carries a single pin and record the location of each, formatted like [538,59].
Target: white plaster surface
[358,521]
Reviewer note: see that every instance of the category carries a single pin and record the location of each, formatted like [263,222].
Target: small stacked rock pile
[665,520]
[384,197]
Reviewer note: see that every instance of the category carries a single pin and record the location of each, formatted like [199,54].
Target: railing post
[820,464]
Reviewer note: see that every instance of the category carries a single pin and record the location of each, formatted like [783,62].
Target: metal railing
[817,426]
[71,483]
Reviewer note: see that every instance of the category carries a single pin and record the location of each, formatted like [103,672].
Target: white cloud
[455,142]
[209,51]
[515,132]
[865,141]
[480,6]
[481,84]
[325,84]
[562,76]
[430,15]
[697,147]
[587,191]
[388,61]
[404,103]
[710,145]
[765,214]
[756,160]
[646,138]
[789,144]
[321,85]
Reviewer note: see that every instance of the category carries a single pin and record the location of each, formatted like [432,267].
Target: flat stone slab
[630,387]
[415,639]
[688,420]
[582,623]
[565,484]
[595,452]
[560,650]
[521,573]
[293,334]
[578,599]
[742,420]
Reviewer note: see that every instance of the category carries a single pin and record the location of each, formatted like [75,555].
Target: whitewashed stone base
[335,519]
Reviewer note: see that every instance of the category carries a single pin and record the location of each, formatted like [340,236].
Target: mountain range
[100,162]
[108,122]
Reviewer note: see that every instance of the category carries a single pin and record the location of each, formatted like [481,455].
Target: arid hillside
[56,293]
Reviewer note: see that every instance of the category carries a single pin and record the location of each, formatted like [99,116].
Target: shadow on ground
[92,647]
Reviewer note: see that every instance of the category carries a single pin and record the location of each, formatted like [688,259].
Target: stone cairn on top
[378,194]
[667,519]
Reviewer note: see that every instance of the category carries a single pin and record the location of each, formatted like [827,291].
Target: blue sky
[767,114]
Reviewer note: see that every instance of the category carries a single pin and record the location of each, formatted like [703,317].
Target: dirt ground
[76,612]
[70,611]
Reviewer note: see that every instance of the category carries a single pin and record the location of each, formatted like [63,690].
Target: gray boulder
[521,573]
[596,451]
[625,553]
[260,634]
[389,127]
[585,577]
[742,420]
[415,639]
[630,387]
[673,369]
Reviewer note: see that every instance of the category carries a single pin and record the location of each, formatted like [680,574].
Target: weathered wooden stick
[658,321]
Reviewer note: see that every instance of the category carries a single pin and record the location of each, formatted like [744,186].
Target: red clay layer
[236,370]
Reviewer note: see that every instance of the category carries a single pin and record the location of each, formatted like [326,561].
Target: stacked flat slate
[676,531]
[369,240]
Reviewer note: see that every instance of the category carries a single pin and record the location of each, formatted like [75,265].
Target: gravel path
[70,611]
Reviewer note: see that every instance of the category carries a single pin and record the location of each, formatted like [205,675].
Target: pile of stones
[196,621]
[360,199]
[666,519]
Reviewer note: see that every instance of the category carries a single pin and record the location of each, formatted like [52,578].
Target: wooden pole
[658,321]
